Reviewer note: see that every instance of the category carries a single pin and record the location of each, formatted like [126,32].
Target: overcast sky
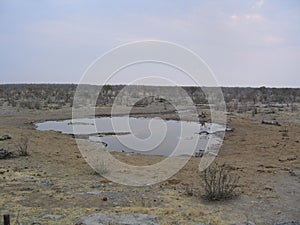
[245,42]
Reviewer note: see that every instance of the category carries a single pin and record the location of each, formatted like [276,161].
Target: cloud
[270,39]
[253,17]
[247,17]
[259,4]
[234,17]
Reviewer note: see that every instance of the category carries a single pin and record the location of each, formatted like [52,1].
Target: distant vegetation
[55,96]
[37,96]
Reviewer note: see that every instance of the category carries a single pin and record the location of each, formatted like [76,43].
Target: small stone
[36,223]
[93,193]
[66,188]
[292,173]
[97,185]
[268,188]
[104,199]
[26,189]
[46,183]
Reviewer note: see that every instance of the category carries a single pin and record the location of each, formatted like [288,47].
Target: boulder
[4,154]
[5,137]
[121,219]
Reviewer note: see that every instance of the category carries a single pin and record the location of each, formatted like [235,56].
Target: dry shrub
[219,183]
[22,146]
[101,167]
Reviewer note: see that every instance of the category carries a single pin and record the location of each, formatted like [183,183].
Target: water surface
[152,136]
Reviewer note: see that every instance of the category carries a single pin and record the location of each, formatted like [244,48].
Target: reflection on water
[152,136]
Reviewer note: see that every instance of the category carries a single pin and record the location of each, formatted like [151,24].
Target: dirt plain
[56,180]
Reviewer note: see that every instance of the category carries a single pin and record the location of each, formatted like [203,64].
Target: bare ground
[55,179]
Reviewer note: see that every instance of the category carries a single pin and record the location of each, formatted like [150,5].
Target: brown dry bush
[22,146]
[219,183]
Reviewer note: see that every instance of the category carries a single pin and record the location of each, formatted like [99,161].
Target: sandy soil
[56,180]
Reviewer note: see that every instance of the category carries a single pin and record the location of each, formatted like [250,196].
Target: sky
[244,42]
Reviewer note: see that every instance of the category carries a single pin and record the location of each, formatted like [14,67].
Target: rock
[2,171]
[89,193]
[272,122]
[52,217]
[93,193]
[97,185]
[26,189]
[132,219]
[66,188]
[268,188]
[284,158]
[4,154]
[243,223]
[293,173]
[47,183]
[287,223]
[228,129]
[5,137]
[26,179]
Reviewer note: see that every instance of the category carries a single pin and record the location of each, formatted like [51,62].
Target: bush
[101,167]
[219,184]
[22,146]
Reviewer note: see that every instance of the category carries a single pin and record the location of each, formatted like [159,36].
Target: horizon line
[70,83]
